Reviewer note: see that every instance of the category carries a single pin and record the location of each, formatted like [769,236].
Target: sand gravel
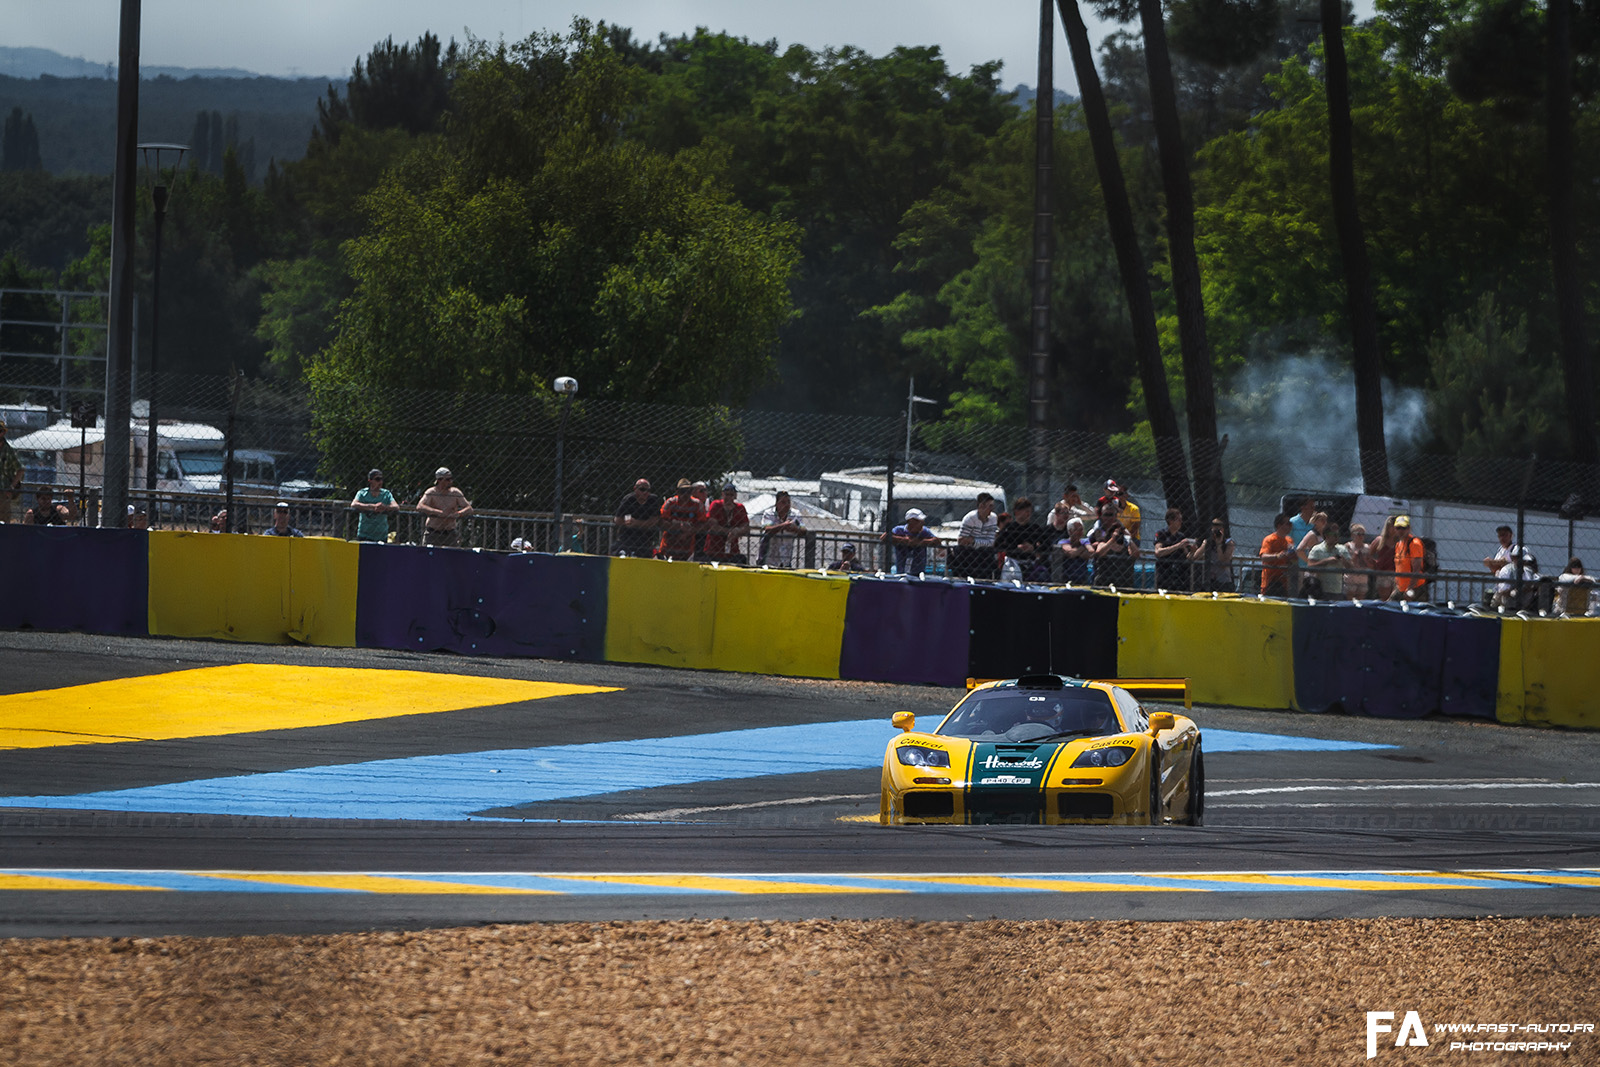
[814,993]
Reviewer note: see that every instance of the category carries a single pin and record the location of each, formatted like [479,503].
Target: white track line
[1441,785]
[678,813]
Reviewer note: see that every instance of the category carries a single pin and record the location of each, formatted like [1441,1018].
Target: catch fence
[849,477]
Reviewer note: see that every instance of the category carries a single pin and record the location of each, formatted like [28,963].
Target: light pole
[568,388]
[158,193]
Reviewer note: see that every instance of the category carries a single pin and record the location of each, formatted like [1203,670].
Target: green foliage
[533,241]
[1492,396]
[1443,190]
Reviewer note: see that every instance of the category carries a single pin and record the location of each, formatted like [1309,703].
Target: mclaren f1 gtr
[1045,748]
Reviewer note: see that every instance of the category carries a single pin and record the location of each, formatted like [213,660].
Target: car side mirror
[904,720]
[1162,720]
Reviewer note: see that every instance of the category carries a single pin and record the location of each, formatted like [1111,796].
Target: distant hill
[76,115]
[1026,93]
[34,62]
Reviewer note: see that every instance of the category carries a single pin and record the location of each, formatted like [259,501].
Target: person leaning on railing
[373,506]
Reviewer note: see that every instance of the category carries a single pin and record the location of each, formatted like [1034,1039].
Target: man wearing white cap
[911,542]
[441,507]
[280,522]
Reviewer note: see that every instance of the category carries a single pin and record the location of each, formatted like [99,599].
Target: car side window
[1132,711]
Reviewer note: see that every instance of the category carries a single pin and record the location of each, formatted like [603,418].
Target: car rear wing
[1170,688]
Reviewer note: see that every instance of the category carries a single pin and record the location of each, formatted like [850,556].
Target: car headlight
[1110,756]
[917,756]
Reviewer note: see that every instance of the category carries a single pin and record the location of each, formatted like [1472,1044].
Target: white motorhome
[190,458]
[860,495]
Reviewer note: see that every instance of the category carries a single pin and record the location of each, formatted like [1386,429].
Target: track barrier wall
[268,590]
[1232,650]
[1550,674]
[481,603]
[1368,659]
[69,578]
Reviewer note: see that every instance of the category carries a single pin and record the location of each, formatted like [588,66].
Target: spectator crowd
[1305,556]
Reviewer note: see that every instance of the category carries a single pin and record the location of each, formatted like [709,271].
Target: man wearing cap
[681,520]
[374,505]
[847,560]
[280,522]
[727,522]
[1127,510]
[441,507]
[781,528]
[634,525]
[1409,554]
[911,541]
[10,475]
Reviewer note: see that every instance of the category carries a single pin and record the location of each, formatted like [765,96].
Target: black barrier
[1021,631]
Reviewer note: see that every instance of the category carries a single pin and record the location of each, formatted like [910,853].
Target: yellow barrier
[763,622]
[1549,674]
[1233,651]
[270,590]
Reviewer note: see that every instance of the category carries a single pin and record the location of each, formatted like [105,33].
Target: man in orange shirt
[1276,552]
[1408,560]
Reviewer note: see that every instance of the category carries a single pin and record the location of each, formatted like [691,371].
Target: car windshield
[1032,714]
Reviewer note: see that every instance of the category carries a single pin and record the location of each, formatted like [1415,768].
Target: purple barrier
[905,631]
[482,604]
[71,578]
[1391,664]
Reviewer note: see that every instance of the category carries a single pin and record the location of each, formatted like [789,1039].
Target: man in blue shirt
[374,504]
[911,543]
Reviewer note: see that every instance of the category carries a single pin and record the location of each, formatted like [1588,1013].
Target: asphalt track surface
[157,786]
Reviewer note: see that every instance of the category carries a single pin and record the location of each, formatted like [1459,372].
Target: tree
[534,241]
[1496,56]
[1131,267]
[1199,388]
[1359,299]
[20,149]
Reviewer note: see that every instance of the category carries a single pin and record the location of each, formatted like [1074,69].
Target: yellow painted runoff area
[1549,673]
[34,882]
[375,883]
[1233,651]
[269,590]
[246,698]
[763,622]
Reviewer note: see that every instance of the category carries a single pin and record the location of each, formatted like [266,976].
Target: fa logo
[1378,1023]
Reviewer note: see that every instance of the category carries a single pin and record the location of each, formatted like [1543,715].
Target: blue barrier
[75,579]
[481,603]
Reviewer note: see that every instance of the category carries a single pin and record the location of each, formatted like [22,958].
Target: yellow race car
[1047,749]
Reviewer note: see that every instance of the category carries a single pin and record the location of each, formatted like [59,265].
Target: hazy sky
[324,37]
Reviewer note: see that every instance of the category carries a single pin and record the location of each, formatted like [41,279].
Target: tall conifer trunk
[1130,262]
[1199,388]
[1360,305]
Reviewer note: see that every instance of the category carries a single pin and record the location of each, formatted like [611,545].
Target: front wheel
[1194,810]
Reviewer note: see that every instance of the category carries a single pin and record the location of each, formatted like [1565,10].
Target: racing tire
[1194,809]
[1156,816]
